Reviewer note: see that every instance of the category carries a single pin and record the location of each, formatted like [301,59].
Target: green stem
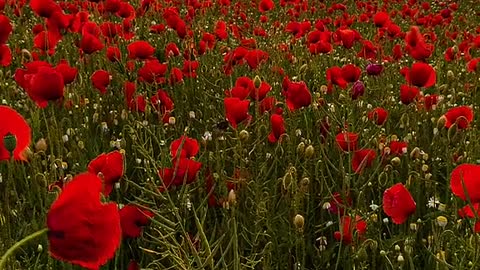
[10,251]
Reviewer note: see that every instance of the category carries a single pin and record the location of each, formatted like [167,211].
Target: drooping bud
[309,151]
[244,135]
[41,145]
[374,69]
[257,81]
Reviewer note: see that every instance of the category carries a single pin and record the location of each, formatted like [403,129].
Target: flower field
[222,134]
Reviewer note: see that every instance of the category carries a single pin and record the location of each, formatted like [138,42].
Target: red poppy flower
[398,148]
[347,37]
[378,116]
[462,116]
[348,226]
[221,30]
[133,219]
[296,94]
[347,141]
[5,29]
[351,73]
[408,94]
[15,125]
[466,177]
[278,127]
[472,65]
[243,88]
[261,92]
[101,80]
[398,203]
[363,159]
[140,50]
[267,104]
[81,229]
[44,8]
[45,85]
[5,55]
[339,203]
[334,76]
[68,73]
[90,43]
[236,110]
[153,72]
[184,170]
[111,167]
[421,75]
[470,212]
[190,68]
[255,57]
[265,5]
[163,104]
[381,19]
[113,54]
[184,147]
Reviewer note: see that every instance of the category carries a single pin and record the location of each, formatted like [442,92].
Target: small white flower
[433,202]
[374,207]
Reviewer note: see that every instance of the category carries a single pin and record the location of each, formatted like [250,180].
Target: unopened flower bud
[299,222]
[442,221]
[41,145]
[309,151]
[257,81]
[301,148]
[244,135]
[232,197]
[10,142]
[395,161]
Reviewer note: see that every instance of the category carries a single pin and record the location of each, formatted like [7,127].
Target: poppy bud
[358,90]
[450,75]
[243,136]
[415,153]
[299,222]
[442,221]
[408,249]
[41,145]
[301,148]
[257,82]
[39,248]
[309,151]
[10,143]
[452,131]
[232,197]
[303,69]
[441,122]
[395,161]
[400,258]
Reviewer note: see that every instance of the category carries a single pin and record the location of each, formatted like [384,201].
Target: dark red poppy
[347,141]
[278,127]
[110,165]
[45,85]
[81,229]
[398,203]
[378,115]
[101,80]
[5,29]
[296,94]
[466,177]
[408,94]
[140,50]
[132,219]
[236,110]
[421,75]
[14,124]
[462,116]
[133,265]
[5,55]
[349,227]
[184,170]
[68,73]
[363,159]
[184,147]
